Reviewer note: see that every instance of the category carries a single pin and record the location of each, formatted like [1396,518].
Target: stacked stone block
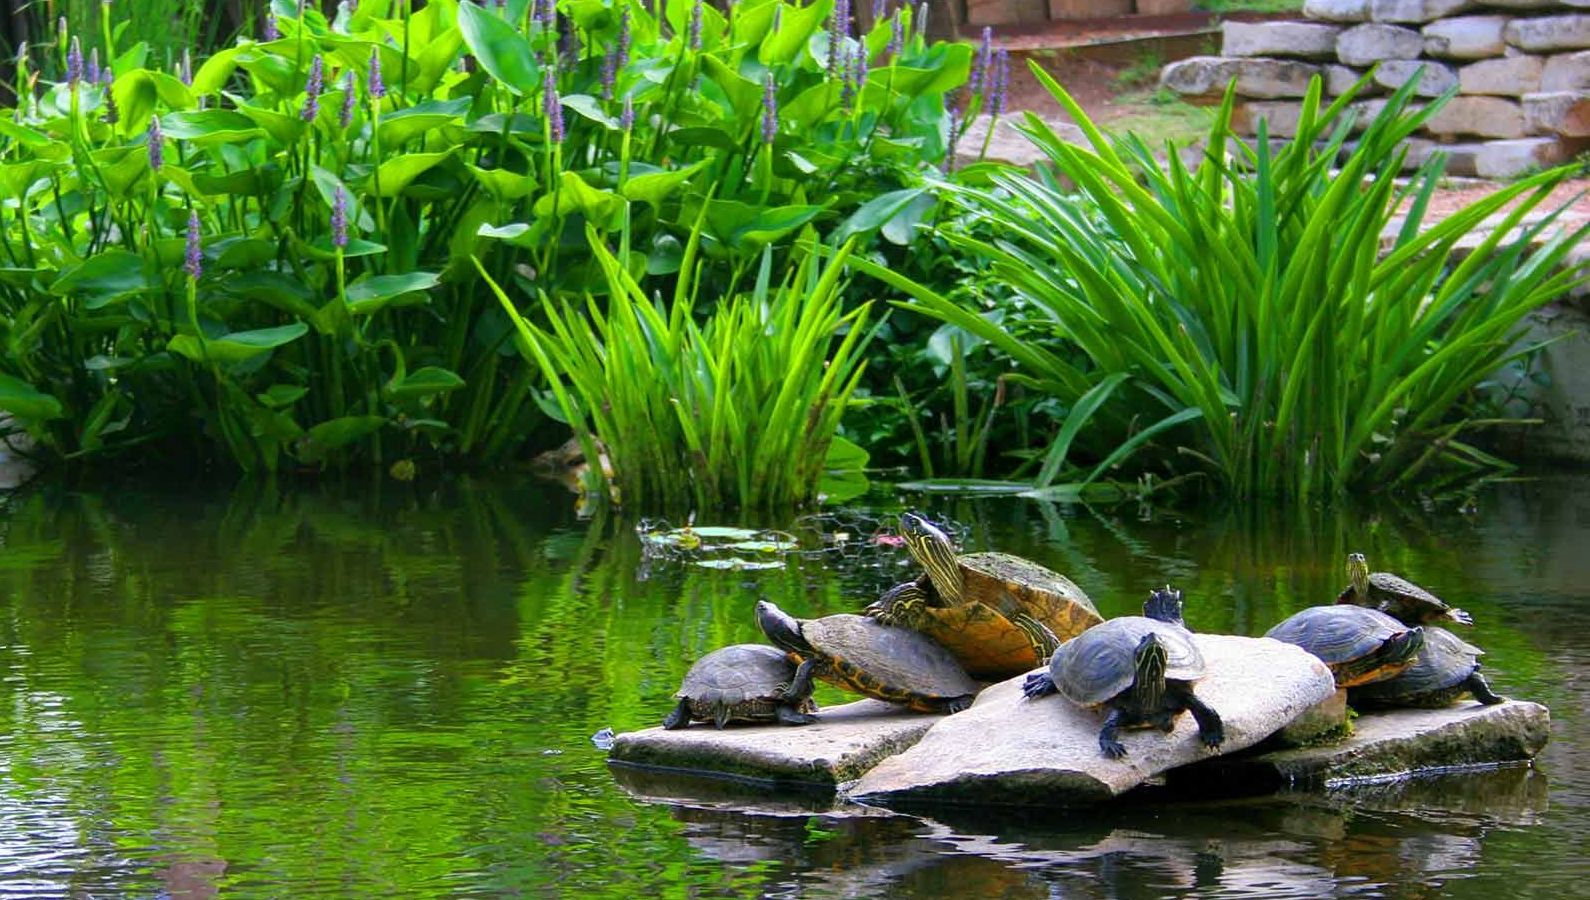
[1521,69]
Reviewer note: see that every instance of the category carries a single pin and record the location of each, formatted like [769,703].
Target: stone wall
[1521,67]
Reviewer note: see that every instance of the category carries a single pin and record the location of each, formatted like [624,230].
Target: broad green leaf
[796,26]
[772,224]
[405,125]
[285,128]
[422,383]
[103,279]
[503,184]
[587,106]
[281,396]
[372,294]
[873,214]
[395,174]
[654,187]
[210,126]
[500,48]
[237,346]
[26,402]
[335,433]
[574,195]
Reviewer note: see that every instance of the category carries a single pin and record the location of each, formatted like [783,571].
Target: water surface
[364,690]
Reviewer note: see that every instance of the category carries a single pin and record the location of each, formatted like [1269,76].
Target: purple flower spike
[270,31]
[551,107]
[981,76]
[1001,81]
[861,69]
[317,75]
[349,95]
[919,18]
[74,63]
[377,86]
[769,109]
[838,31]
[624,38]
[695,26]
[194,260]
[877,11]
[627,121]
[185,71]
[157,144]
[112,114]
[545,12]
[896,37]
[339,219]
[92,74]
[609,72]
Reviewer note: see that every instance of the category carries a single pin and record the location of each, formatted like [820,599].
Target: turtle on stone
[1359,646]
[741,683]
[1140,668]
[1395,596]
[999,614]
[867,657]
[1447,668]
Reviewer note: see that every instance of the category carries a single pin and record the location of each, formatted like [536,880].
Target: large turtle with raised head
[1395,596]
[1358,645]
[1140,668]
[999,614]
[1447,668]
[867,657]
[741,682]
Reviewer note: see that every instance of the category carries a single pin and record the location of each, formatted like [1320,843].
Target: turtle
[1447,668]
[1359,645]
[999,614]
[741,682]
[864,656]
[1141,668]
[1395,596]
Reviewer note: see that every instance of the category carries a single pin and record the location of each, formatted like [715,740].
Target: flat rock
[1566,72]
[1394,743]
[1262,78]
[1519,157]
[1009,145]
[1466,37]
[1365,45]
[1549,33]
[1281,117]
[1337,10]
[1009,750]
[1417,10]
[846,741]
[1340,79]
[1490,117]
[1310,39]
[1507,76]
[1435,79]
[1561,112]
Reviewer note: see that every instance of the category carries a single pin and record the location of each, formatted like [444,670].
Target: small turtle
[741,682]
[1000,615]
[1359,645]
[861,655]
[1141,668]
[1447,668]
[1395,596]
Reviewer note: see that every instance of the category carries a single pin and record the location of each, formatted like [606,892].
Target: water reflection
[368,689]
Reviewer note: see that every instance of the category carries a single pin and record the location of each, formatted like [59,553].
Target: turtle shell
[886,662]
[981,632]
[1445,662]
[1404,600]
[743,678]
[1100,663]
[1342,636]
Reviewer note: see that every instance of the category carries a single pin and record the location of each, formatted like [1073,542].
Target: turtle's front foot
[1038,684]
[1461,617]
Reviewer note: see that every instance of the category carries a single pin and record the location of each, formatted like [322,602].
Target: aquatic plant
[1283,318]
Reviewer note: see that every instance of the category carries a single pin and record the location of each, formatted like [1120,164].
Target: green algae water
[369,691]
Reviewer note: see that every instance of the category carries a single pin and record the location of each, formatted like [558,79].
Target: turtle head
[1165,606]
[1358,574]
[934,551]
[783,629]
[1149,662]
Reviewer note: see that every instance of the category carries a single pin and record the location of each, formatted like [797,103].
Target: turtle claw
[956,704]
[1038,684]
[1112,748]
[1461,617]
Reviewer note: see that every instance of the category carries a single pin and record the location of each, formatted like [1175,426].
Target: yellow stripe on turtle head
[933,551]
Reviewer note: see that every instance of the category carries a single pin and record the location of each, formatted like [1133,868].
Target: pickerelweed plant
[264,258]
[1284,319]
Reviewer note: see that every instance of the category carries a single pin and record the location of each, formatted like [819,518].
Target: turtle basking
[1395,596]
[1447,668]
[741,682]
[1000,615]
[1359,645]
[867,657]
[1141,668]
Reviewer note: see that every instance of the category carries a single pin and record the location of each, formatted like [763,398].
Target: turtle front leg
[1211,730]
[1481,689]
[1044,641]
[800,687]
[956,704]
[1108,743]
[679,718]
[900,605]
[790,714]
[1038,684]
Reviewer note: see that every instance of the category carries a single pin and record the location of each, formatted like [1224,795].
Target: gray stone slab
[1365,45]
[1435,79]
[1550,33]
[1507,76]
[1417,10]
[1566,72]
[1339,79]
[1007,749]
[1281,117]
[1392,744]
[1466,37]
[1488,117]
[1304,39]
[1261,78]
[1566,113]
[1535,5]
[1337,10]
[1521,156]
[846,741]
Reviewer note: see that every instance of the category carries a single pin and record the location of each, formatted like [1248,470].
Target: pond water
[364,690]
